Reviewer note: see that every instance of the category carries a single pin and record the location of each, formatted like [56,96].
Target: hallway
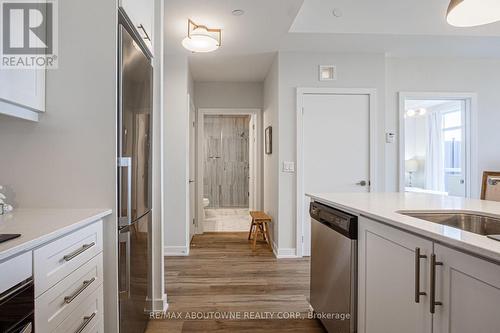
[222,276]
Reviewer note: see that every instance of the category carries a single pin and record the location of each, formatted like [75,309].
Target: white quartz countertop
[38,226]
[383,207]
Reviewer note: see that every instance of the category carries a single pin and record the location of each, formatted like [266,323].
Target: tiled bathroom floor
[226,220]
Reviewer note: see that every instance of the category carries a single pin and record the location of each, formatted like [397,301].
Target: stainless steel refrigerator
[134,178]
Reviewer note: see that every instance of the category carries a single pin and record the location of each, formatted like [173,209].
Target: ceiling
[249,42]
[401,17]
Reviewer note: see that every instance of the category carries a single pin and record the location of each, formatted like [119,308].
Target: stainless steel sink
[472,222]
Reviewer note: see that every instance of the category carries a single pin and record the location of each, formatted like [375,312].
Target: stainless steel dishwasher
[333,268]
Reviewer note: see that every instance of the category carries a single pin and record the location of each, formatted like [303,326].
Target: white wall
[176,155]
[228,94]
[301,70]
[270,162]
[388,76]
[158,261]
[481,76]
[68,159]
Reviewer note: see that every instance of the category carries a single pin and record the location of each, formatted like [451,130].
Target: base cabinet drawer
[56,260]
[87,317]
[52,307]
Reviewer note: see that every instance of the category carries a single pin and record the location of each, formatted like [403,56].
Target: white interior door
[336,148]
[192,169]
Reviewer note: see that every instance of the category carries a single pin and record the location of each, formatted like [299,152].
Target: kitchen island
[420,276]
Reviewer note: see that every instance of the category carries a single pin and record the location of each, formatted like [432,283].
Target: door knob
[362,183]
[191,181]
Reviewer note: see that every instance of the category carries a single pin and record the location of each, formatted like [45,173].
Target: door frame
[470,132]
[374,181]
[255,156]
[192,159]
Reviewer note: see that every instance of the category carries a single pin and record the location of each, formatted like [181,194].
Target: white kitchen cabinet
[56,260]
[141,13]
[386,280]
[88,317]
[22,92]
[62,250]
[59,302]
[469,290]
[68,276]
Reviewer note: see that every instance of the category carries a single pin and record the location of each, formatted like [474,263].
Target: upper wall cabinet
[22,92]
[141,13]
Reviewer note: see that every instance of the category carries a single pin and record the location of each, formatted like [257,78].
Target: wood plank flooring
[223,277]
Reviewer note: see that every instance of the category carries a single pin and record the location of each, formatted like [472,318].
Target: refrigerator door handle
[126,162]
[124,285]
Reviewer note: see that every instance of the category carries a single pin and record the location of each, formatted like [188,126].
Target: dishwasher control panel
[342,222]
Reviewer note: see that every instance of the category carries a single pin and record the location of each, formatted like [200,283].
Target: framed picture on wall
[269,140]
[491,186]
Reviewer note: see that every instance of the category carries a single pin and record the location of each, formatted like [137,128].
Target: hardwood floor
[223,277]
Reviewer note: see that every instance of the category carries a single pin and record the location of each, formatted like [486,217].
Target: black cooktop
[6,237]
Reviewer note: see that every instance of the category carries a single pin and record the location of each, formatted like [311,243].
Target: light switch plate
[288,166]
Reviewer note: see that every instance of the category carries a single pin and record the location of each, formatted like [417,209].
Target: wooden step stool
[260,225]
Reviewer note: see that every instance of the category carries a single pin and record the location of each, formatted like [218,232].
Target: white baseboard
[175,251]
[284,253]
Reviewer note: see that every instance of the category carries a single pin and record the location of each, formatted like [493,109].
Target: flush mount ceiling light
[416,113]
[471,13]
[202,39]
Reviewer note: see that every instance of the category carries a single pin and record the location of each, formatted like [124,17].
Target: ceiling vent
[327,73]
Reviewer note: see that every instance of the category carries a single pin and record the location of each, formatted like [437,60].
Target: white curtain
[434,164]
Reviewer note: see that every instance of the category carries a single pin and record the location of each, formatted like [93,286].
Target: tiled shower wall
[226,158]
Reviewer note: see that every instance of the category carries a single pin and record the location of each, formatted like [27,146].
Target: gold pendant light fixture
[202,39]
[471,13]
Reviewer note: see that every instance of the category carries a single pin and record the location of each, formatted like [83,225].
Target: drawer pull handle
[418,257]
[86,321]
[73,255]
[86,283]
[433,302]
[140,26]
